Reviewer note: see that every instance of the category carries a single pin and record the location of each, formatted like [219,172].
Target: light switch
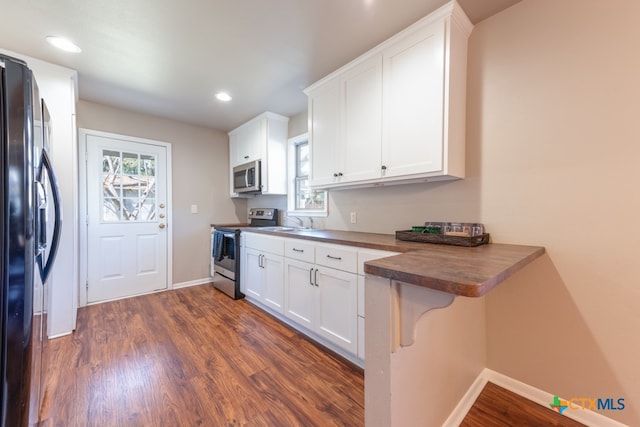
[194,209]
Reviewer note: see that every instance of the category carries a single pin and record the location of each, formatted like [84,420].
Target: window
[302,200]
[128,186]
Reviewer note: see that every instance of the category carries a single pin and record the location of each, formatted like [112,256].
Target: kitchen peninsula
[419,360]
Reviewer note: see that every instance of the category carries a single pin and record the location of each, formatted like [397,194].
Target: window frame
[293,179]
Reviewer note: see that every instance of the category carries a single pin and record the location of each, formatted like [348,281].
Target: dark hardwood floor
[194,357]
[497,407]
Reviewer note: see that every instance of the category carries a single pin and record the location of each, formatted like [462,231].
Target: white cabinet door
[414,93]
[273,279]
[253,279]
[346,126]
[336,308]
[299,292]
[248,141]
[361,124]
[324,133]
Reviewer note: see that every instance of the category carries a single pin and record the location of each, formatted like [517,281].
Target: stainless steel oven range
[225,250]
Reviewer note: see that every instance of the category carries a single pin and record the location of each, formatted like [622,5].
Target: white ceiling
[169,57]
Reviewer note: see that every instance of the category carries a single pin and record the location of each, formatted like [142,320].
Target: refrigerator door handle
[45,269]
[41,205]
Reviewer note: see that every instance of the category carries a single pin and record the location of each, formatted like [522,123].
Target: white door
[324,133]
[273,266]
[299,292]
[413,93]
[127,217]
[362,120]
[254,279]
[337,307]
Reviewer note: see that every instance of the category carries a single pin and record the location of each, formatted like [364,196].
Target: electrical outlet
[194,209]
[354,217]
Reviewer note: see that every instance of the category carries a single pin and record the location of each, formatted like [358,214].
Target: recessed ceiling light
[223,96]
[64,44]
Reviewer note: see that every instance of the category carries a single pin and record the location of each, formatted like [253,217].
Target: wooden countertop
[457,270]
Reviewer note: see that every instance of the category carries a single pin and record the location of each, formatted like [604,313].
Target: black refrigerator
[30,219]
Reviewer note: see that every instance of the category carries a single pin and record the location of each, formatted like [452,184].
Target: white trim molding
[584,416]
[192,283]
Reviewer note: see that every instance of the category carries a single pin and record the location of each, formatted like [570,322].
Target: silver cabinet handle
[315,277]
[310,276]
[298,250]
[337,258]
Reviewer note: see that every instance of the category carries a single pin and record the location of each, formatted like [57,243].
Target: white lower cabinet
[264,270]
[336,307]
[300,292]
[316,286]
[323,300]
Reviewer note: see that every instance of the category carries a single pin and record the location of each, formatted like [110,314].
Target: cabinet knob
[335,175]
[246,157]
[339,173]
[384,168]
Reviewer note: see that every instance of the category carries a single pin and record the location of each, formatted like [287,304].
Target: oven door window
[224,250]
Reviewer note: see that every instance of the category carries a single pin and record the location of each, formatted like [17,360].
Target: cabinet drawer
[299,249]
[264,243]
[338,257]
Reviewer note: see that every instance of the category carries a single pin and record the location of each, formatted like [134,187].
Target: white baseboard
[64,334]
[584,416]
[467,401]
[192,283]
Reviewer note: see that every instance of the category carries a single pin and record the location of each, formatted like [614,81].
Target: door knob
[161,225]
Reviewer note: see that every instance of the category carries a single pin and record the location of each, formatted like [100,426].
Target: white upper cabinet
[413,89]
[248,141]
[397,113]
[346,118]
[361,104]
[324,119]
[263,138]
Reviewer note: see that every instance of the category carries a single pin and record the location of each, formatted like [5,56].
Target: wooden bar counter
[464,271]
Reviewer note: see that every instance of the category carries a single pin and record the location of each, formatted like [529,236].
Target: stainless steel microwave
[246,178]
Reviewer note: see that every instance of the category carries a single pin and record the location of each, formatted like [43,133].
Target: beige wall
[552,134]
[200,176]
[554,104]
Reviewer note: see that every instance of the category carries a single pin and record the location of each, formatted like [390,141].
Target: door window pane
[128,186]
